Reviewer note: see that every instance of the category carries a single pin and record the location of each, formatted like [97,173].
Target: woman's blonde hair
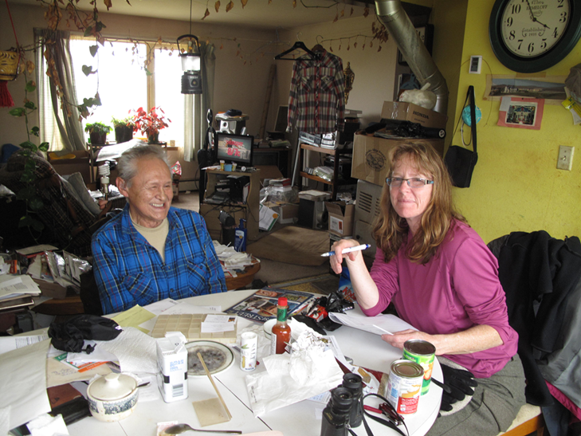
[390,229]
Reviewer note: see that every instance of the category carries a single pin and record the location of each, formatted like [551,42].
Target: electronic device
[475,65]
[234,148]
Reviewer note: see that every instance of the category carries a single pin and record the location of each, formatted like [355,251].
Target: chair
[528,420]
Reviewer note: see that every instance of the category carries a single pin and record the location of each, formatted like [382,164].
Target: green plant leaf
[30,165]
[97,100]
[87,70]
[93,50]
[37,225]
[17,112]
[35,131]
[30,86]
[44,146]
[30,105]
[148,73]
[25,193]
[36,204]
[28,145]
[27,177]
[88,31]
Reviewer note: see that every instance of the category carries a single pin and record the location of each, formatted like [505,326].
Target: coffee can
[248,346]
[422,352]
[404,386]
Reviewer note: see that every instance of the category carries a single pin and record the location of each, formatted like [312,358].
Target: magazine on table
[261,306]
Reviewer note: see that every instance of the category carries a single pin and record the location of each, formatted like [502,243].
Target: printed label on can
[248,346]
[404,386]
[422,352]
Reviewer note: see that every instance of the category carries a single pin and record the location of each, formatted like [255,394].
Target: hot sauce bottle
[281,331]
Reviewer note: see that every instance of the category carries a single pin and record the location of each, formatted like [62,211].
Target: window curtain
[60,126]
[196,105]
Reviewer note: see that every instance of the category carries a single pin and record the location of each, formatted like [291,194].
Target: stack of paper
[17,286]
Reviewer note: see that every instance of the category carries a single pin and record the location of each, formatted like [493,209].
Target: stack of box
[370,153]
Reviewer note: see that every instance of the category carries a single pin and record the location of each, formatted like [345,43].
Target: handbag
[461,161]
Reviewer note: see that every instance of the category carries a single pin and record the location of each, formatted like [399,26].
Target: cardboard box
[370,156]
[340,217]
[395,110]
[287,213]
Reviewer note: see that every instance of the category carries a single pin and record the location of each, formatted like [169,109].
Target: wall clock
[528,36]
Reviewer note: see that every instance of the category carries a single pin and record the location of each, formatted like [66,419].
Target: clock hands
[533,18]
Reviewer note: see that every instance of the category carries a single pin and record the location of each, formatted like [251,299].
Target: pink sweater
[457,289]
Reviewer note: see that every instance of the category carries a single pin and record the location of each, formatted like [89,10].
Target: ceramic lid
[112,387]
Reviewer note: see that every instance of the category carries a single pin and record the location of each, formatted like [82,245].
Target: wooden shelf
[329,151]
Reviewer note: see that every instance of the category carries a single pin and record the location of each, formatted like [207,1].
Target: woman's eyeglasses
[414,182]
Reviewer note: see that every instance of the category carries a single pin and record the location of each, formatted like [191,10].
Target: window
[123,83]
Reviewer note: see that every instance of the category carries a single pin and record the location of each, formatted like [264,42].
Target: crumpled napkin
[310,369]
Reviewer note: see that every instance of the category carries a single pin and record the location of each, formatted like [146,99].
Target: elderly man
[151,250]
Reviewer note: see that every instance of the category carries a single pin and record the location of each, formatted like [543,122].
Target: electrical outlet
[565,161]
[475,64]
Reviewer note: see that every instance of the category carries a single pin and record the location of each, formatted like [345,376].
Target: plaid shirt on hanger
[317,95]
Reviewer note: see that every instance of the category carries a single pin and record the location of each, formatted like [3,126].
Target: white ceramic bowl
[113,397]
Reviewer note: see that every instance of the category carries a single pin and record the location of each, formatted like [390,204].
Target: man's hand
[102,203]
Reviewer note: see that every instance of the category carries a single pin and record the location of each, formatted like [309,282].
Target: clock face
[533,27]
[532,35]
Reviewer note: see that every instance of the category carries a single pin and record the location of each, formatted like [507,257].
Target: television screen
[234,148]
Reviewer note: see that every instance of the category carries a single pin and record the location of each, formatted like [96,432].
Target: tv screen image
[234,148]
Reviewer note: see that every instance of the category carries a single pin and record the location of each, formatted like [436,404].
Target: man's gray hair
[127,162]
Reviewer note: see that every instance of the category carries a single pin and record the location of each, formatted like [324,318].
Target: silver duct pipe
[401,29]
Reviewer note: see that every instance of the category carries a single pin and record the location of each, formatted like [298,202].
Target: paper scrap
[23,384]
[134,317]
[378,325]
[218,323]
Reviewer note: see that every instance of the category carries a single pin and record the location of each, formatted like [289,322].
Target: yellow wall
[516,185]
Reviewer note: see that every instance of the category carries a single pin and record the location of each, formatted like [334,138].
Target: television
[234,148]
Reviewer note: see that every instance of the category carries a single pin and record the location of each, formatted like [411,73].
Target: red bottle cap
[282,301]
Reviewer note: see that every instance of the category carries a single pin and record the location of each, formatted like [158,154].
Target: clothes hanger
[299,45]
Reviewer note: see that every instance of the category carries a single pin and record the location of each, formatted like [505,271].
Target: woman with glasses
[443,280]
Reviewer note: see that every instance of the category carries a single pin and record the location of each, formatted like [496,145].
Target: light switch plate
[565,160]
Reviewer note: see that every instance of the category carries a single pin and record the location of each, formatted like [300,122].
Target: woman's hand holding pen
[338,247]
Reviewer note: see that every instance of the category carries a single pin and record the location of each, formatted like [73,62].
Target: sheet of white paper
[10,343]
[13,285]
[356,318]
[23,383]
[98,355]
[218,323]
[46,425]
[188,307]
[36,249]
[135,351]
[505,103]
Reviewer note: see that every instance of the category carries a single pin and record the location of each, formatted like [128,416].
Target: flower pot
[98,138]
[123,134]
[153,139]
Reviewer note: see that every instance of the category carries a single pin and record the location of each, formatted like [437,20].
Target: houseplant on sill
[97,132]
[150,123]
[123,129]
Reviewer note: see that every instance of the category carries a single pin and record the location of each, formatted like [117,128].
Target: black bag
[70,335]
[459,160]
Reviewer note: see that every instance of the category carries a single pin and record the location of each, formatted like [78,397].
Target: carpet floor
[321,284]
[294,245]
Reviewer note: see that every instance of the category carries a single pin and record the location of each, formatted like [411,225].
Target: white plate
[217,357]
[268,326]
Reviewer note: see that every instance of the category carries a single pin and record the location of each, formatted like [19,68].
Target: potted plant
[97,132]
[123,129]
[150,123]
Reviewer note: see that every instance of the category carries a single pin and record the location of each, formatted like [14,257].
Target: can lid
[419,346]
[407,368]
[282,301]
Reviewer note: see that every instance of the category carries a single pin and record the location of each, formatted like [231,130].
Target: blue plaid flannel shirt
[129,271]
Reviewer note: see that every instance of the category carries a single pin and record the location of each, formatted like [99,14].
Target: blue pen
[348,250]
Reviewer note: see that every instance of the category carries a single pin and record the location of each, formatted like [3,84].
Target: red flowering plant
[150,123]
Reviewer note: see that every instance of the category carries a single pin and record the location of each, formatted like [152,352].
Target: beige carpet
[294,245]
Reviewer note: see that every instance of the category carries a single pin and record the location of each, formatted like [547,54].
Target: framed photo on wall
[426,34]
